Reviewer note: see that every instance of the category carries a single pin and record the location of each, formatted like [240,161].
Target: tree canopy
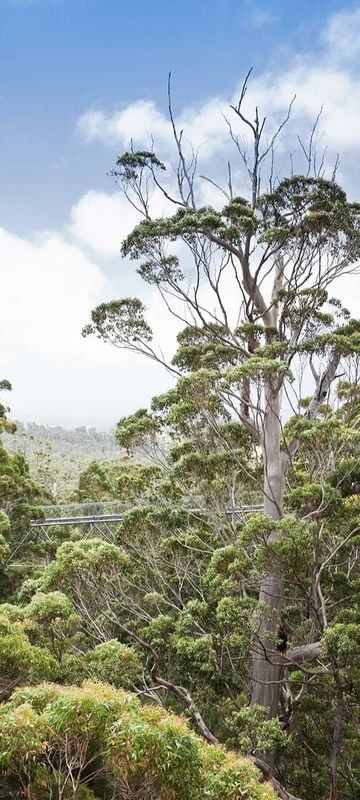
[225,603]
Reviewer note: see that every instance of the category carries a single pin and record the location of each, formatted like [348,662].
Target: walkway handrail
[94,518]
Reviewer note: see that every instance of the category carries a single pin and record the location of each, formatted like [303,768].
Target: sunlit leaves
[65,730]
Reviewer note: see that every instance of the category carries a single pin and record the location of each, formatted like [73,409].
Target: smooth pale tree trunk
[266,669]
[266,666]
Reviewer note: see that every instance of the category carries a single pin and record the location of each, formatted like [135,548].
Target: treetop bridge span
[81,513]
[101,518]
[115,510]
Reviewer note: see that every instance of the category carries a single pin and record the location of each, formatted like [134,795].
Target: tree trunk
[266,668]
[336,742]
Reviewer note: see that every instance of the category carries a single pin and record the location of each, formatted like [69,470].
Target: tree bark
[184,695]
[267,774]
[303,652]
[323,385]
[266,667]
[336,742]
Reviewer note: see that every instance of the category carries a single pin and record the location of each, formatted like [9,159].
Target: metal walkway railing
[117,515]
[113,512]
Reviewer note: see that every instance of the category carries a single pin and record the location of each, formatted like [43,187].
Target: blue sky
[72,76]
[58,57]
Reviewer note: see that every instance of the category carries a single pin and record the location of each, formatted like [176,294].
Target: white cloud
[204,126]
[137,121]
[336,90]
[141,122]
[327,77]
[50,283]
[102,221]
[342,35]
[320,78]
[48,288]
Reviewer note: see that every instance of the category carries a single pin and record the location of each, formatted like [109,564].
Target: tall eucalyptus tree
[251,285]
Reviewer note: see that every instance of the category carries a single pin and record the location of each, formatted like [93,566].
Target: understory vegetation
[207,645]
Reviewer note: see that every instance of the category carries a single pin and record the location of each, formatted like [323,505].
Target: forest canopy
[228,593]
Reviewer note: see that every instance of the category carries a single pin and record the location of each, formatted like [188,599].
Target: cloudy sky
[78,80]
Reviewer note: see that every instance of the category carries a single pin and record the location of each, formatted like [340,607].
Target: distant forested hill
[57,455]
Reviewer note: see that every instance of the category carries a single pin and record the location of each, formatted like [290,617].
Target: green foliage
[178,592]
[4,547]
[54,732]
[193,593]
[129,164]
[19,660]
[50,620]
[76,561]
[255,366]
[5,525]
[95,483]
[115,663]
[56,455]
[255,733]
[20,498]
[120,322]
[346,477]
[134,430]
[316,208]
[5,423]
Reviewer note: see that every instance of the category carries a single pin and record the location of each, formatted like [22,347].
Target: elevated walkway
[101,519]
